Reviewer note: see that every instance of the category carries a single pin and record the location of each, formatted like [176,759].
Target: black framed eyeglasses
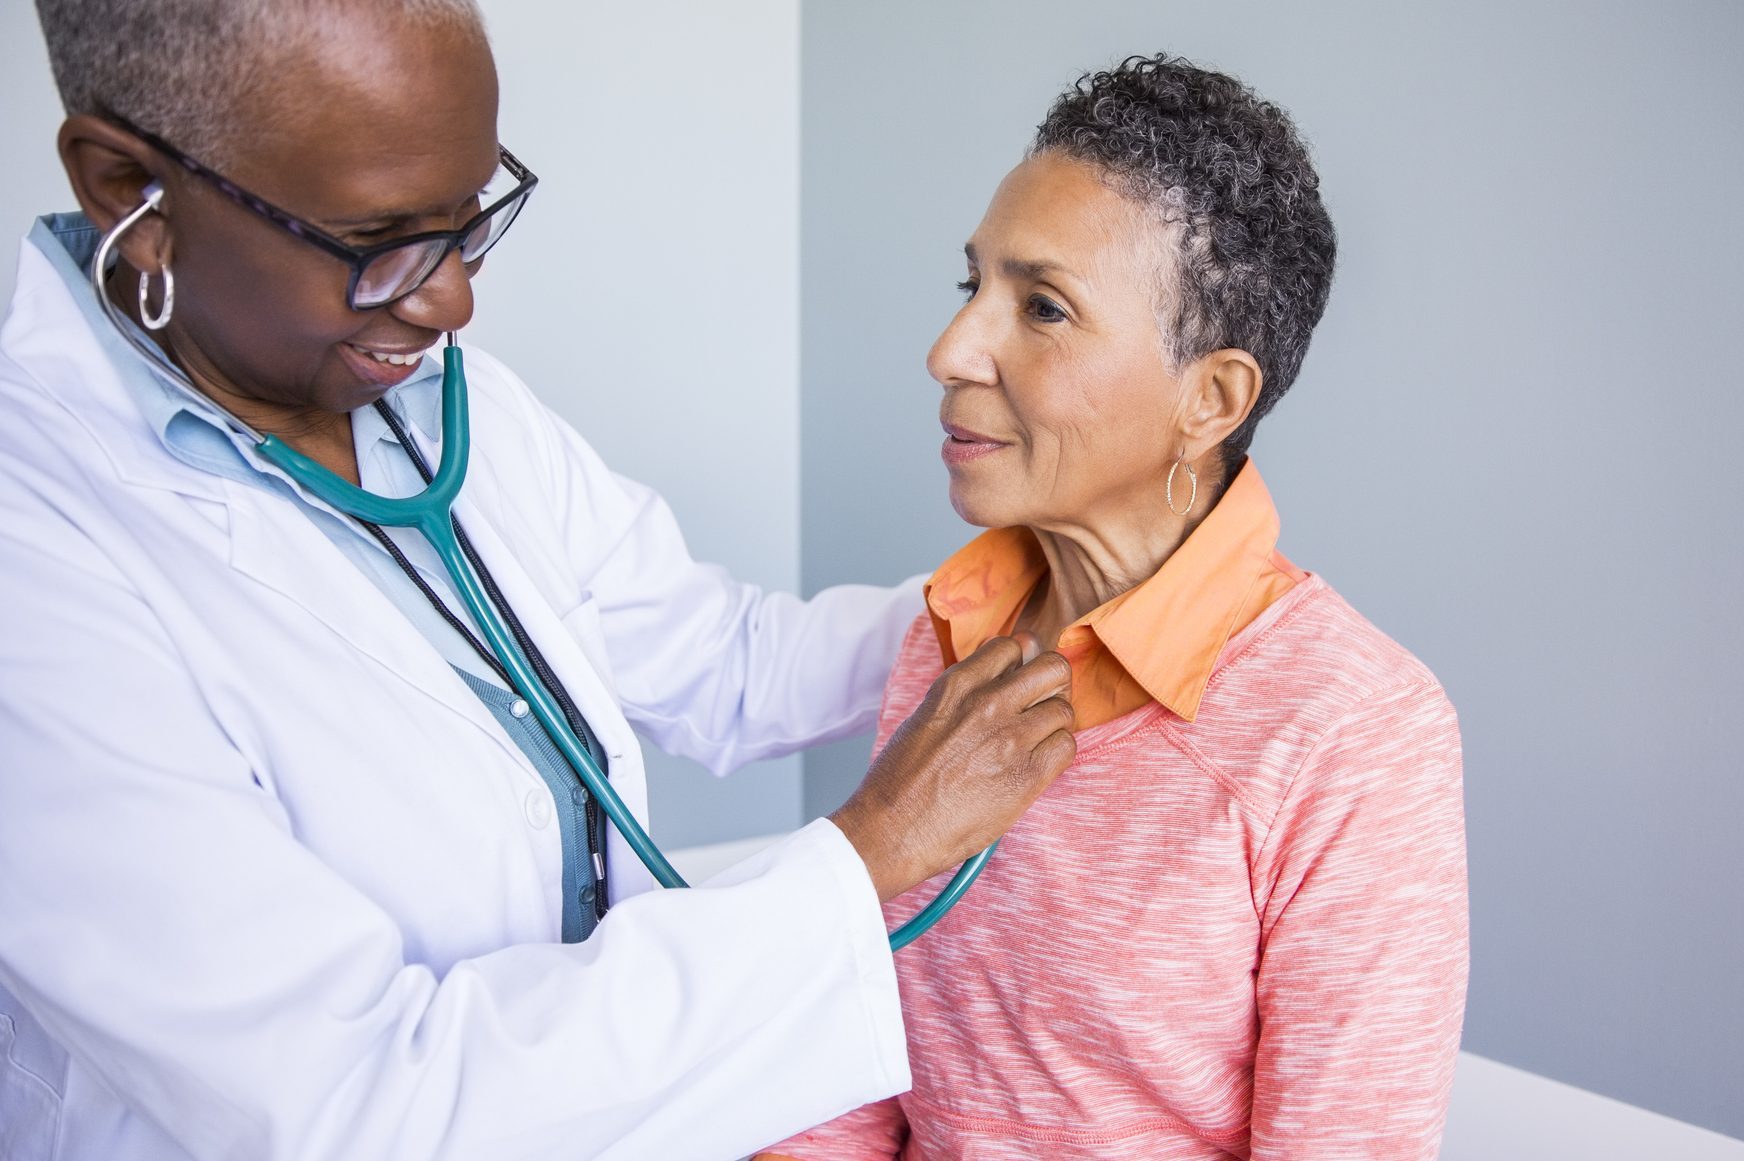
[382,274]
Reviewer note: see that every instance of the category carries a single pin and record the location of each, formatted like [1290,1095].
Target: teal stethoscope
[430,514]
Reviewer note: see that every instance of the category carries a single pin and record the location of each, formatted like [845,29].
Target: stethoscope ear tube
[104,259]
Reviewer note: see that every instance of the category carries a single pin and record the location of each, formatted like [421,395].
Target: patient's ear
[1222,388]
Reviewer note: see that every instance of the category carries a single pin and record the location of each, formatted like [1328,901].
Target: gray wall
[666,210]
[1499,448]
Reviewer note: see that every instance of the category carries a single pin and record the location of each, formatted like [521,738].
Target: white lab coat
[274,884]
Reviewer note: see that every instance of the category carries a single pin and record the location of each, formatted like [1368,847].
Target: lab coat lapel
[277,546]
[270,541]
[48,336]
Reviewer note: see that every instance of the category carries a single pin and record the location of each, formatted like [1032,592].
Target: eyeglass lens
[395,273]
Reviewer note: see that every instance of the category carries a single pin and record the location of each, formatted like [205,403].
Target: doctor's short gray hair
[180,67]
[1231,186]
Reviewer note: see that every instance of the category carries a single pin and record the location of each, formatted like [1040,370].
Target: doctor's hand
[992,734]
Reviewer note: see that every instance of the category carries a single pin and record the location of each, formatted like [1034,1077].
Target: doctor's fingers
[997,681]
[1046,718]
[1046,728]
[1050,758]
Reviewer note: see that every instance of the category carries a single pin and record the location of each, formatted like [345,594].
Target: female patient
[1237,925]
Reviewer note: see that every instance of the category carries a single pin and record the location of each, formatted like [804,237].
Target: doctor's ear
[109,170]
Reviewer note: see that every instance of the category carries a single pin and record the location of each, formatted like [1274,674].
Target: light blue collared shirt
[196,433]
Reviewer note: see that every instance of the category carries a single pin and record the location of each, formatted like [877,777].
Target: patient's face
[1059,404]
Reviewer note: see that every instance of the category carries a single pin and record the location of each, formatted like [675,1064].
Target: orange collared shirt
[1158,640]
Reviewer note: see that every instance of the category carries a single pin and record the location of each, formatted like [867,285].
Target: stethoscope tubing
[430,513]
[545,707]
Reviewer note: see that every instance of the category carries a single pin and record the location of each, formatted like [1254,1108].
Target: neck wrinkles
[1090,566]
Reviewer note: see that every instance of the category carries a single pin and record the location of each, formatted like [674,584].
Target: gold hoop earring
[160,320]
[1169,488]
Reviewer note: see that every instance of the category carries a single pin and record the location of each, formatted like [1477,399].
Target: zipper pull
[599,868]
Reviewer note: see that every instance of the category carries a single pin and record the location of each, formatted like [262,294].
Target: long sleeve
[1362,976]
[874,1132]
[706,666]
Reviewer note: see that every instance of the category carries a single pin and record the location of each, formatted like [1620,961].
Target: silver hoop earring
[161,319]
[1169,487]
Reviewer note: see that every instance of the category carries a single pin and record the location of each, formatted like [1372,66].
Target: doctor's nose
[444,301]
[962,354]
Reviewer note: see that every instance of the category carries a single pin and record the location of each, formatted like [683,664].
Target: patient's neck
[1090,564]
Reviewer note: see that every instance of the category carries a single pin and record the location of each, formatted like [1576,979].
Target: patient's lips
[963,445]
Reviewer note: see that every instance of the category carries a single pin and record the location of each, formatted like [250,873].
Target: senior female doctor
[284,869]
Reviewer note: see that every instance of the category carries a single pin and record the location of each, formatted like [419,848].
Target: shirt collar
[194,432]
[418,401]
[1166,632]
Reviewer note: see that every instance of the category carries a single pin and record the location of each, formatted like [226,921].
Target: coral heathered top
[1233,931]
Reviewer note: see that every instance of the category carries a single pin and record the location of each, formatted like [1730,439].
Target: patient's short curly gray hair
[180,67]
[1232,184]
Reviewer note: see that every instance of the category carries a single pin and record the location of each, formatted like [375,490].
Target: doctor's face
[1059,403]
[384,130]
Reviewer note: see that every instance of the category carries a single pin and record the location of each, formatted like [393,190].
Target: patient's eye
[968,286]
[1046,309]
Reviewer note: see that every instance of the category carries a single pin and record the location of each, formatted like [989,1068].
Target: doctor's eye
[968,286]
[1045,309]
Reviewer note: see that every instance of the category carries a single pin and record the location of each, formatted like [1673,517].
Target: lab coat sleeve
[708,667]
[1363,961]
[160,919]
